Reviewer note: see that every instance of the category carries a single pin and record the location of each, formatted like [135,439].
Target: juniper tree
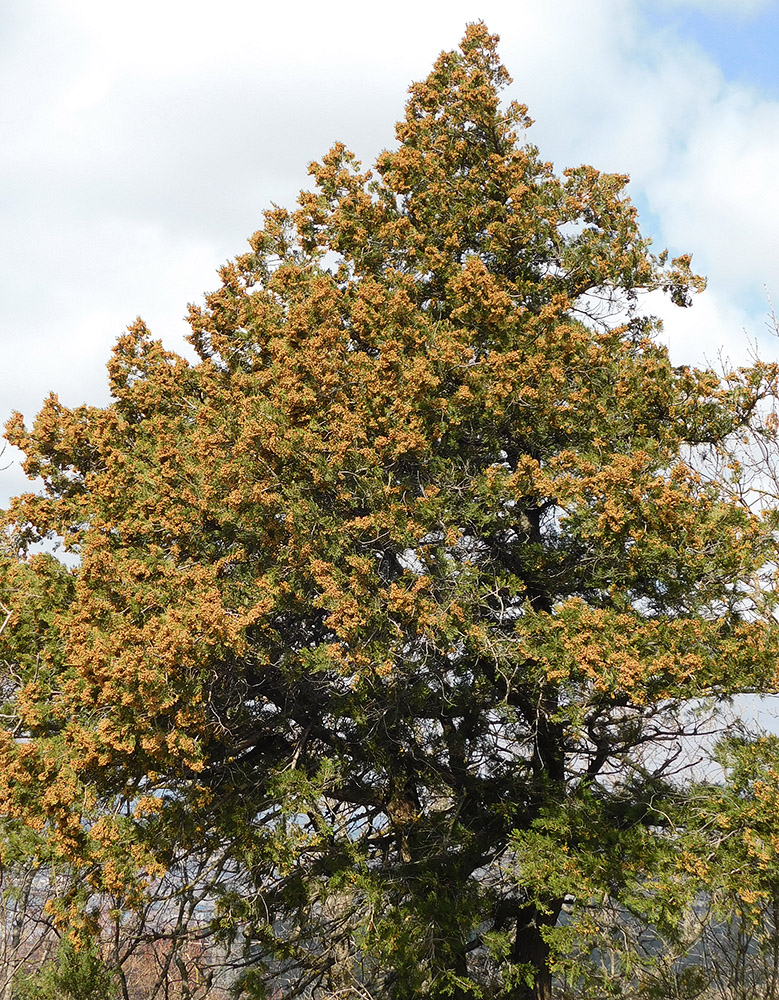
[401,592]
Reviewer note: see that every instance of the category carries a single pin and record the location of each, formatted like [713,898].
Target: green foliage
[688,983]
[75,973]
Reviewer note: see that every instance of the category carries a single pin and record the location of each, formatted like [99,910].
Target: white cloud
[712,333]
[723,189]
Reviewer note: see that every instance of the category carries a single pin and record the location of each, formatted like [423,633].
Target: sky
[141,143]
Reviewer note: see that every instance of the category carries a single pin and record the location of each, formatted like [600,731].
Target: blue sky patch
[744,46]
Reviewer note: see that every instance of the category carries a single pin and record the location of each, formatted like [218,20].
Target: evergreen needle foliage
[74,974]
[399,600]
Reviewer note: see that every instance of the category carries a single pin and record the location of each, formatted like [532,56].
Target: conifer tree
[401,594]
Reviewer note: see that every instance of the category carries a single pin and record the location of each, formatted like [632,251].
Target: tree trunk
[530,948]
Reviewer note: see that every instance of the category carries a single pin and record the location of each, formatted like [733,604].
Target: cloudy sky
[141,142]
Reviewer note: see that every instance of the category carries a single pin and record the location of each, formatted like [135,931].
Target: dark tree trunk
[531,948]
